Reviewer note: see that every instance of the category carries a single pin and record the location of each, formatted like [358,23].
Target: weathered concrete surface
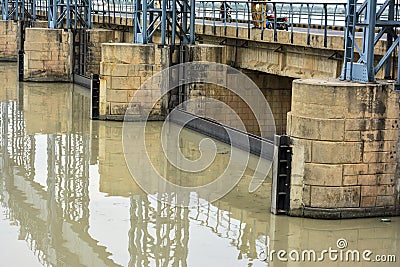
[277,90]
[289,56]
[202,95]
[48,55]
[344,138]
[124,68]
[9,40]
[95,37]
[39,24]
[256,49]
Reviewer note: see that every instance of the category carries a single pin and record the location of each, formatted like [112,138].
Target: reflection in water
[66,192]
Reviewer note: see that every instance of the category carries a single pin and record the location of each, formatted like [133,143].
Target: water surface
[67,197]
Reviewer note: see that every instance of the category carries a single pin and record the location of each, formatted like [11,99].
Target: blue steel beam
[69,14]
[4,9]
[368,53]
[18,9]
[174,18]
[369,18]
[60,13]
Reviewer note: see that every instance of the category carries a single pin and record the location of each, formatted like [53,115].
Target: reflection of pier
[51,211]
[65,183]
[45,187]
[242,223]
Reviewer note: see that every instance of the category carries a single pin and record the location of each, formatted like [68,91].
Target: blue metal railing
[320,17]
[255,16]
[275,15]
[241,10]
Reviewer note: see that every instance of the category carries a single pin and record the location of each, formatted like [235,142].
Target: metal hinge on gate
[280,203]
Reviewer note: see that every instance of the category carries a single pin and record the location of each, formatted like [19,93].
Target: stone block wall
[277,90]
[124,68]
[95,38]
[203,92]
[279,100]
[208,109]
[40,24]
[48,55]
[9,40]
[344,137]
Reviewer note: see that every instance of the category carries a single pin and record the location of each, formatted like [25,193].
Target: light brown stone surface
[126,68]
[49,58]
[95,38]
[335,197]
[278,92]
[9,39]
[322,174]
[115,178]
[317,129]
[51,114]
[345,142]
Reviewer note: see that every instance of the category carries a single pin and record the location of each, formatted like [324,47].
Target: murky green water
[67,198]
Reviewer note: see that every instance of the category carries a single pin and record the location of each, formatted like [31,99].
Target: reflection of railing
[32,230]
[241,233]
[67,179]
[159,233]
[17,148]
[154,223]
[71,174]
[18,144]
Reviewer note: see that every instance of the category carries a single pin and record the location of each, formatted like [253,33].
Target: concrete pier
[344,137]
[123,70]
[96,37]
[9,40]
[48,55]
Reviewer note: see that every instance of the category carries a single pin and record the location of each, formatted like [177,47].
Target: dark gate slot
[281,176]
[79,60]
[21,52]
[95,95]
